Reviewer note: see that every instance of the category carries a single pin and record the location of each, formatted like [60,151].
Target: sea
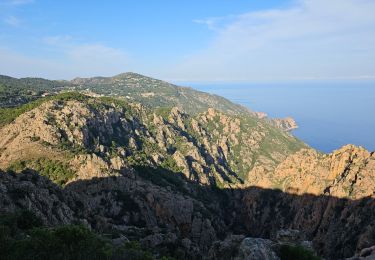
[329,114]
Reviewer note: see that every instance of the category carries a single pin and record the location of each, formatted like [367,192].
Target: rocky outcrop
[337,227]
[31,191]
[260,115]
[227,248]
[257,249]
[239,247]
[348,172]
[286,124]
[364,254]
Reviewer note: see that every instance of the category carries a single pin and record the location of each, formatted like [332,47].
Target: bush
[17,166]
[57,171]
[27,220]
[132,250]
[6,240]
[21,220]
[288,252]
[22,236]
[12,225]
[65,242]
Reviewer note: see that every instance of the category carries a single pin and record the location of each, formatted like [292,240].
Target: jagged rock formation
[337,227]
[100,137]
[347,172]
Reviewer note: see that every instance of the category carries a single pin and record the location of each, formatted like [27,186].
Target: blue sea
[329,114]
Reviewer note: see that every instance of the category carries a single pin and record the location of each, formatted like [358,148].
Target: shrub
[288,252]
[65,242]
[17,166]
[34,138]
[21,220]
[57,171]
[27,220]
[132,250]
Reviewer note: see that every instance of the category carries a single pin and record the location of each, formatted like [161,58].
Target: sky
[189,40]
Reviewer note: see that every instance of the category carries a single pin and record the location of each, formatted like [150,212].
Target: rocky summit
[144,169]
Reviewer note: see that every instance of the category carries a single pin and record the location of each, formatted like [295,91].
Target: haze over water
[329,114]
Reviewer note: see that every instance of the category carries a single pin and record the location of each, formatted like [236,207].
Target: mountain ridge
[136,87]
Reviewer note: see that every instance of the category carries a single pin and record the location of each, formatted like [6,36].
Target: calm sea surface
[329,115]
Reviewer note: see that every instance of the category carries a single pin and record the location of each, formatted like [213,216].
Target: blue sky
[195,40]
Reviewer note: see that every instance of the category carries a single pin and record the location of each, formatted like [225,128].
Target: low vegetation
[58,172]
[23,236]
[289,252]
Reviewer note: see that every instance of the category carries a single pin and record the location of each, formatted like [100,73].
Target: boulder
[257,249]
[227,248]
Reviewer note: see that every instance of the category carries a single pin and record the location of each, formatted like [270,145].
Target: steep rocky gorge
[165,177]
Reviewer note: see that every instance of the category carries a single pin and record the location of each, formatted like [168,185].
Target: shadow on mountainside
[161,208]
